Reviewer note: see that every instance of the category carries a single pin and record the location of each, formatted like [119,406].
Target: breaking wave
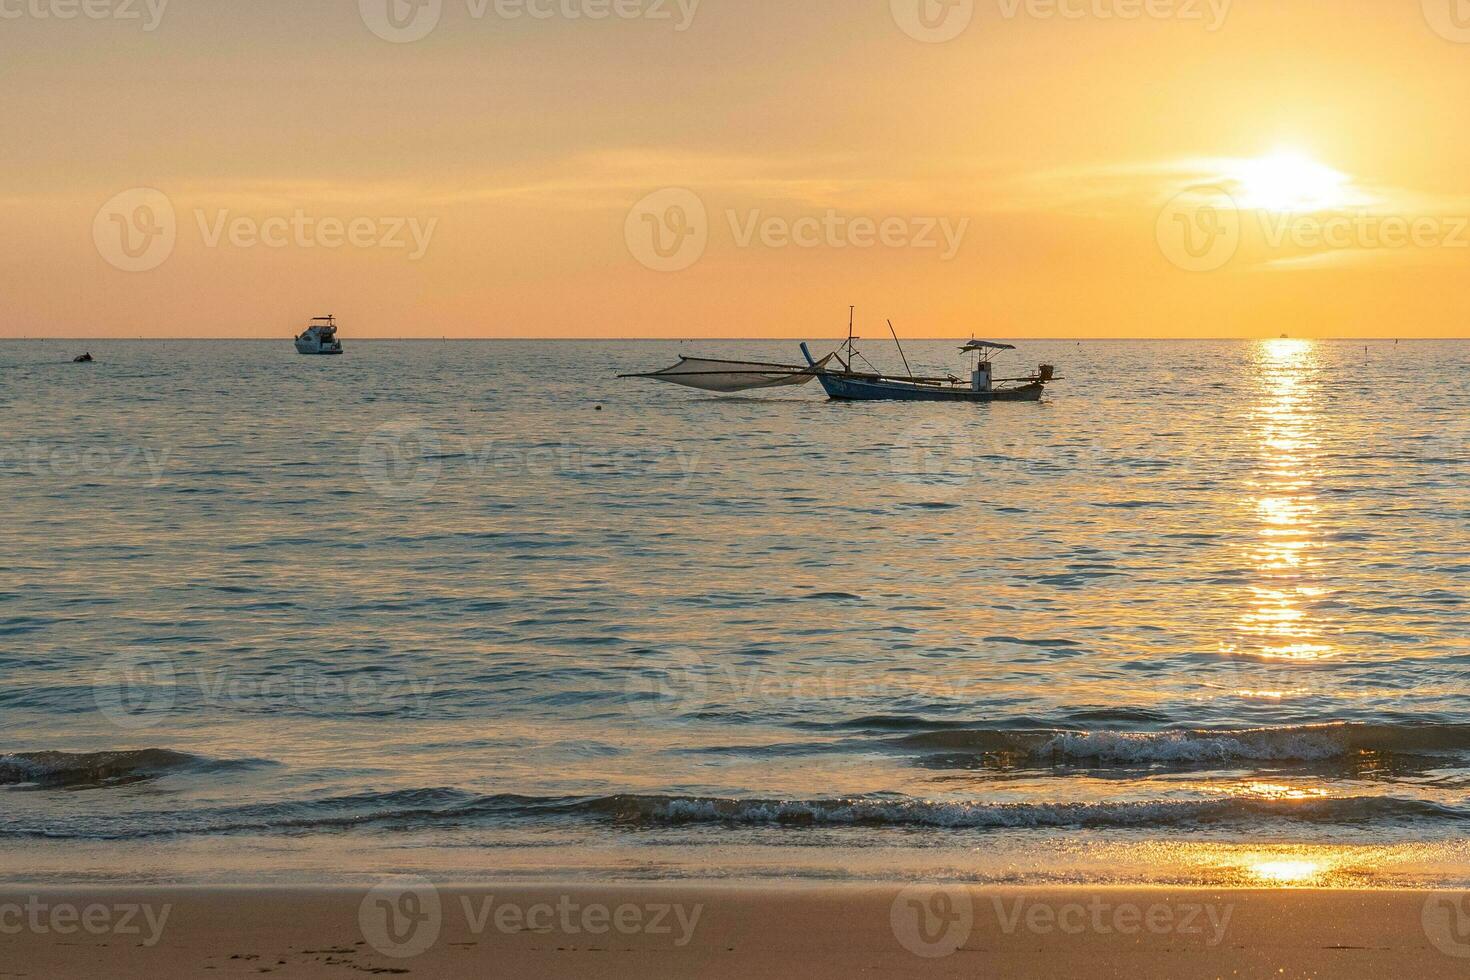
[415,809]
[1304,743]
[879,811]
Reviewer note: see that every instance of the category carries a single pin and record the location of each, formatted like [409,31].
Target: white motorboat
[320,337]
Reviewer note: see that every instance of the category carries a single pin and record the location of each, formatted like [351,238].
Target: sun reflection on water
[1277,625]
[1300,864]
[1278,791]
[1288,872]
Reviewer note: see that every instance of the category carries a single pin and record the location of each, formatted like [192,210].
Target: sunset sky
[1074,168]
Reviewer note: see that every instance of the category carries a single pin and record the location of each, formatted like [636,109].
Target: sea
[482,610]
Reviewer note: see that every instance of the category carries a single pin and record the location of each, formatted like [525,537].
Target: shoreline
[410,926]
[499,857]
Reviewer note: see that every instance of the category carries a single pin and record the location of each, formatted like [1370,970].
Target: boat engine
[1046,372]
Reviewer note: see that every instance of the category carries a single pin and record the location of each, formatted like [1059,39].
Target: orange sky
[673,168]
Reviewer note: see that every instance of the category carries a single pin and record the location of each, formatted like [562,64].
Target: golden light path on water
[1280,623]
[1282,628]
[1276,628]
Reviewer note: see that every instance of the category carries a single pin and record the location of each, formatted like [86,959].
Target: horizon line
[685,340]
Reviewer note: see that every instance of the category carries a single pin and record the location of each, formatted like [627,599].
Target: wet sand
[409,928]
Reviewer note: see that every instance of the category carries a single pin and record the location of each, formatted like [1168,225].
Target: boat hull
[854,390]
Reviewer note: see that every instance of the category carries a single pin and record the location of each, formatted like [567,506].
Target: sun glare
[1287,872]
[1290,181]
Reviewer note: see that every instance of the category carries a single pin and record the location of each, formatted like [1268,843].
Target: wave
[903,812]
[52,770]
[406,810]
[1299,743]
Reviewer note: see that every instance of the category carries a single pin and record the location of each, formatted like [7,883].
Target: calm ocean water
[1199,616]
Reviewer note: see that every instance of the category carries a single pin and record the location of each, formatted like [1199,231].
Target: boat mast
[850,311]
[846,363]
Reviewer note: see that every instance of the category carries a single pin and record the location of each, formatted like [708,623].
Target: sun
[1288,180]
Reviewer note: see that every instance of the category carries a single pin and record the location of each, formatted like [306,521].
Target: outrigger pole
[900,349]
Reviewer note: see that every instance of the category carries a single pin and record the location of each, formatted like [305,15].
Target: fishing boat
[850,384]
[725,377]
[320,337]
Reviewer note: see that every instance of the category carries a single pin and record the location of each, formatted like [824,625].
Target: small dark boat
[83,359]
[850,385]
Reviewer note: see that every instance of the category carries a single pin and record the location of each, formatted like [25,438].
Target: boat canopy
[986,345]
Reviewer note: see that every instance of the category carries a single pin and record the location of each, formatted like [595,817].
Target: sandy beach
[408,927]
